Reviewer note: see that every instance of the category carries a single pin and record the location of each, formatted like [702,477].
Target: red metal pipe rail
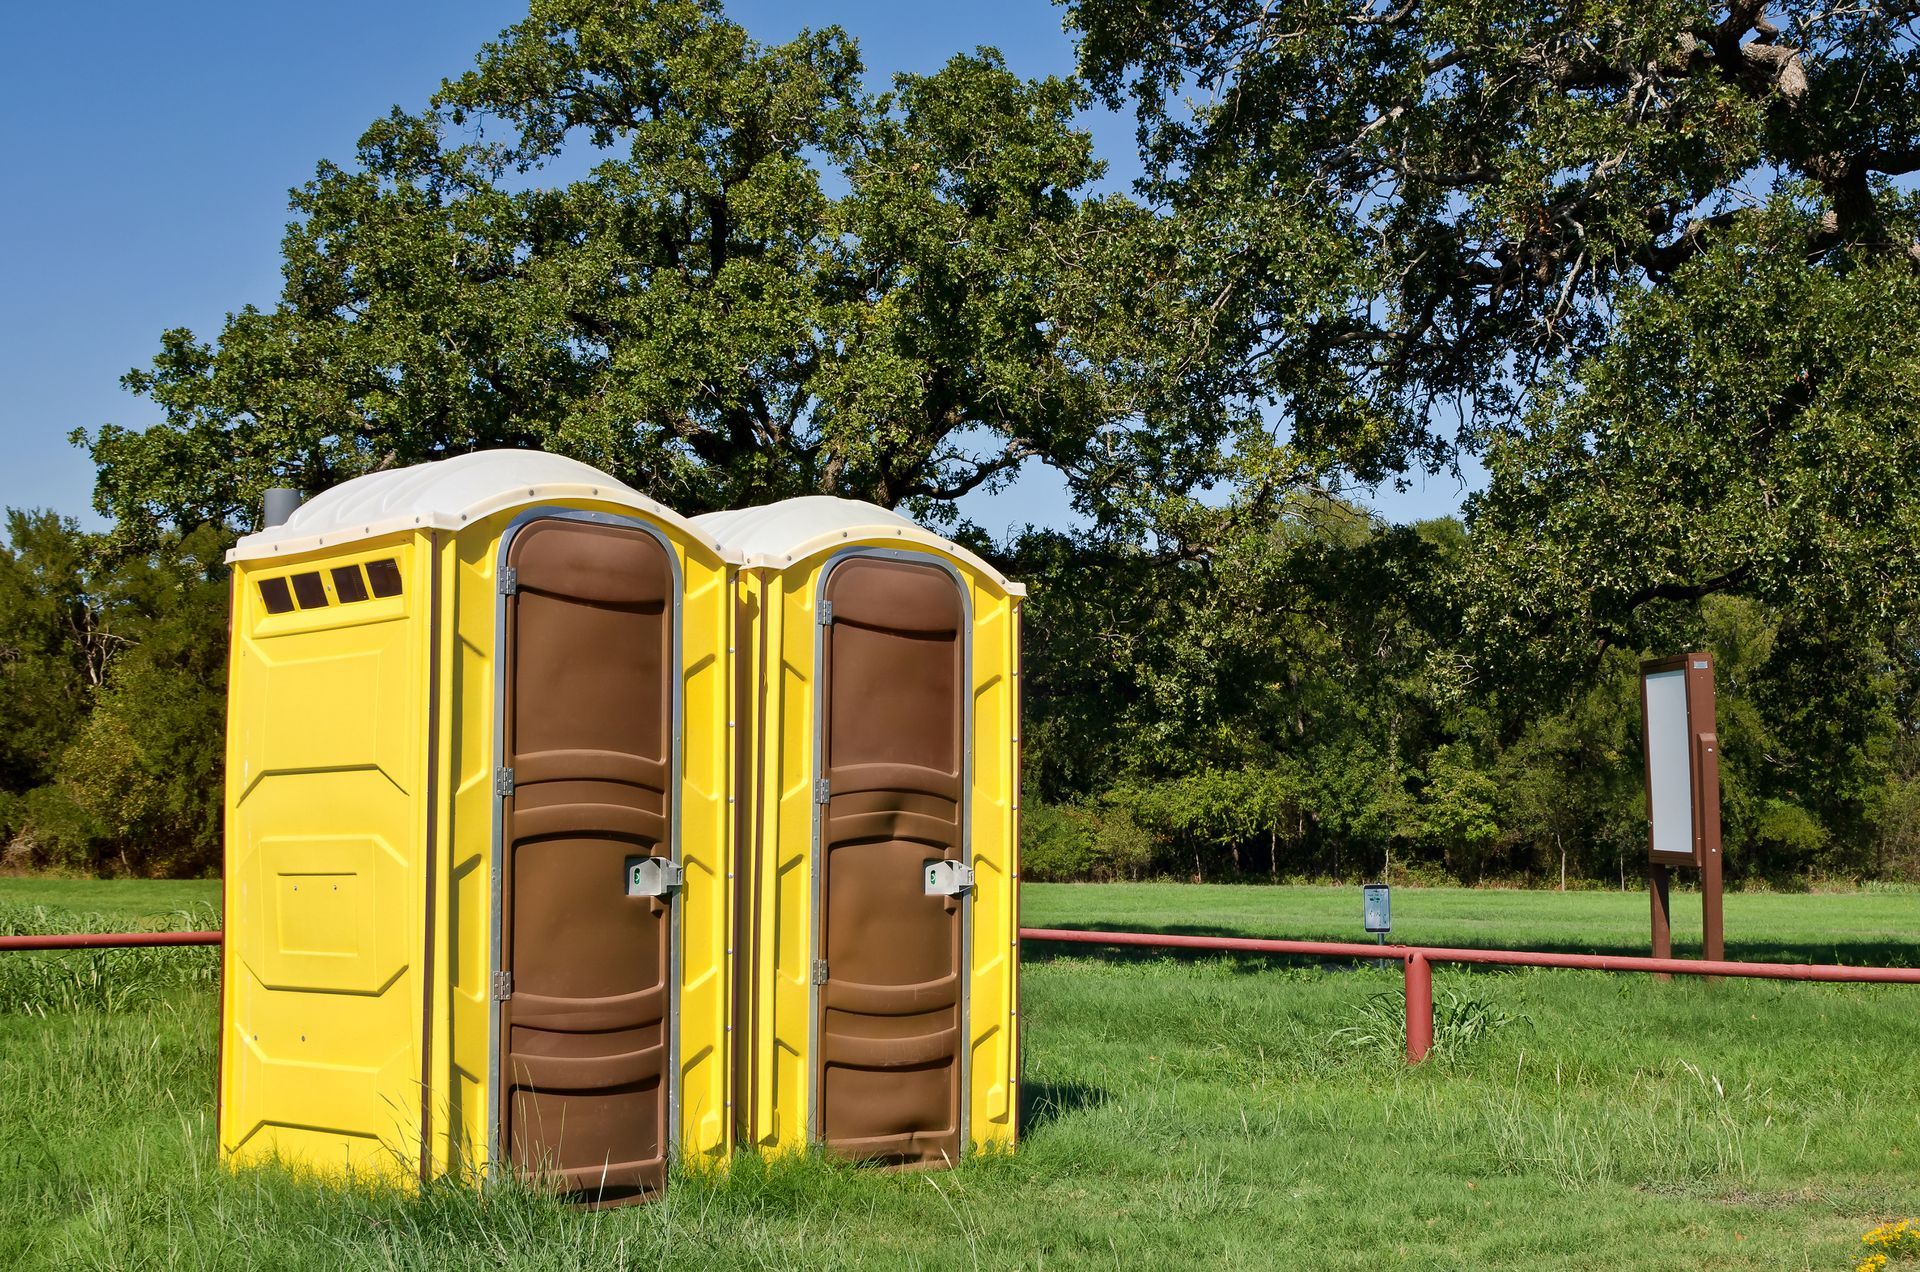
[106,940]
[1417,962]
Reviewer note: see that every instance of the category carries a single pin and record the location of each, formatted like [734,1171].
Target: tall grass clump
[1463,1019]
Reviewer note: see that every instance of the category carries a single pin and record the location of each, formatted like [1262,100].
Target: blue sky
[151,148]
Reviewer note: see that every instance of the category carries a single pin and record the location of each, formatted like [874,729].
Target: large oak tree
[1655,259]
[724,271]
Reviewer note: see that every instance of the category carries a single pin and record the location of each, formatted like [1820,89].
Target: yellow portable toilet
[478,835]
[878,990]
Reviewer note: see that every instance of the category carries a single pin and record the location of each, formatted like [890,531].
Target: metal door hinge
[820,791]
[820,971]
[503,781]
[502,986]
[509,580]
[825,613]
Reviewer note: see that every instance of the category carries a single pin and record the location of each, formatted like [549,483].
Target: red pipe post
[1419,1008]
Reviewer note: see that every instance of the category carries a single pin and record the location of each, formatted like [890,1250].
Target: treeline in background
[1649,273]
[1304,704]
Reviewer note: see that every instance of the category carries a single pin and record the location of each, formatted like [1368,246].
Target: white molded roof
[779,534]
[446,494]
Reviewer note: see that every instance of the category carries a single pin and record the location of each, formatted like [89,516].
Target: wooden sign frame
[1683,823]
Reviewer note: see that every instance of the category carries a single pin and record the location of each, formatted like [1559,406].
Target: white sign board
[1669,763]
[1376,913]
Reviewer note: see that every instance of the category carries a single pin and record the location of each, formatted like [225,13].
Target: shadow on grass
[1042,1103]
[1863,953]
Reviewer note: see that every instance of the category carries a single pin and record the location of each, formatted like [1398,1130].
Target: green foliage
[1055,846]
[1305,697]
[124,772]
[1896,826]
[57,639]
[1213,811]
[1749,429]
[1657,265]
[1064,843]
[1457,814]
[1395,216]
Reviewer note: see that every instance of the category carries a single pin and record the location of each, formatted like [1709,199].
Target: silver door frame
[815,1134]
[670,1133]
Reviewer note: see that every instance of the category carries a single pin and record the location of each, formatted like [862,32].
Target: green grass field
[1195,1112]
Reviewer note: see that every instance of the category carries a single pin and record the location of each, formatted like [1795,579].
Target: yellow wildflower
[1893,1239]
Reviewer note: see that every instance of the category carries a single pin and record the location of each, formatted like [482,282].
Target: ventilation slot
[385,577]
[310,591]
[348,585]
[275,596]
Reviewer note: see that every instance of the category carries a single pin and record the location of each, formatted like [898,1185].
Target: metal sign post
[1683,791]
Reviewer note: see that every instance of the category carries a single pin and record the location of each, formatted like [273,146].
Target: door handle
[947,878]
[653,876]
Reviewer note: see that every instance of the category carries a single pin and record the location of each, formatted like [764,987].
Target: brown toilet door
[889,1026]
[588,725]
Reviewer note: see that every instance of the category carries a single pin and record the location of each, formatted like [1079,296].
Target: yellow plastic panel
[463,1009]
[993,1109]
[462,1013]
[783,788]
[321,1028]
[706,843]
[325,913]
[789,852]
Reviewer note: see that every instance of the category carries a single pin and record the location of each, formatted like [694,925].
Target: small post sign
[1376,908]
[1376,913]
[1683,790]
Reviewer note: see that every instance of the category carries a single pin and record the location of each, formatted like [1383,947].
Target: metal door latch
[653,876]
[948,878]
